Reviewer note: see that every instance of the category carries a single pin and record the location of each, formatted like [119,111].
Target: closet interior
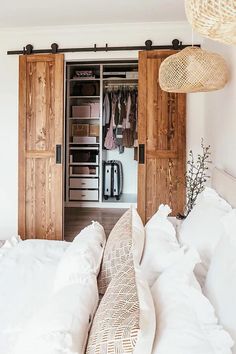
[101,134]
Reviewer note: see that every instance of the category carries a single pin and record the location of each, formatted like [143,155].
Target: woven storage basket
[193,70]
[215,19]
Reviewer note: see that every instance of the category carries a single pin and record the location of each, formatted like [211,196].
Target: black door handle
[141,154]
[58,154]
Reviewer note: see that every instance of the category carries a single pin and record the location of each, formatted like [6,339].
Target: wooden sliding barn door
[41,97]
[162,140]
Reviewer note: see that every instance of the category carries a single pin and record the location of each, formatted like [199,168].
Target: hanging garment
[117,111]
[126,124]
[128,138]
[106,110]
[122,108]
[136,123]
[113,108]
[119,128]
[110,143]
[132,113]
[121,131]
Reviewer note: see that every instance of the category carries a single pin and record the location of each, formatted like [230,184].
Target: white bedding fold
[26,274]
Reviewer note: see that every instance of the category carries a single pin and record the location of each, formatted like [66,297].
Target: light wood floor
[77,218]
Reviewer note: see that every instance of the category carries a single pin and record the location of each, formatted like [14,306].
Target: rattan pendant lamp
[193,70]
[215,19]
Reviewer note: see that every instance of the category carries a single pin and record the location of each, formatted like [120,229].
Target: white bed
[37,263]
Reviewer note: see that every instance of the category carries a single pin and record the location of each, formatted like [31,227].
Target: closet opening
[101,120]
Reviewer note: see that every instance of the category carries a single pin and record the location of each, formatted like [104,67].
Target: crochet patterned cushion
[115,326]
[125,319]
[117,250]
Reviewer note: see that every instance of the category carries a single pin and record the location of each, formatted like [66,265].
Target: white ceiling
[24,13]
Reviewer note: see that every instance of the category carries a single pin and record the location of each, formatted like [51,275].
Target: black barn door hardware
[29,49]
[58,154]
[141,154]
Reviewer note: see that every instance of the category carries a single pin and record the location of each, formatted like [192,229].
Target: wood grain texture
[142,131]
[21,146]
[40,129]
[162,128]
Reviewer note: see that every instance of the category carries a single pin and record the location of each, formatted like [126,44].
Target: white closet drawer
[84,171]
[86,183]
[83,195]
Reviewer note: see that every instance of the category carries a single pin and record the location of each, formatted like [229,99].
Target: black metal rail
[29,49]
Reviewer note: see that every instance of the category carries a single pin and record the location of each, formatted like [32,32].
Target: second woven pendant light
[193,70]
[215,19]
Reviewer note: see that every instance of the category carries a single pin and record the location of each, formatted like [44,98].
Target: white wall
[115,35]
[220,113]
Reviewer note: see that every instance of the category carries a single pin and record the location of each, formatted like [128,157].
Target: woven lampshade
[215,19]
[193,70]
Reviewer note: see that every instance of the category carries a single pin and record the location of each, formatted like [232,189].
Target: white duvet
[26,275]
[49,294]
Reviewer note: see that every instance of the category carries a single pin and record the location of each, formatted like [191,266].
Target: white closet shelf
[120,79]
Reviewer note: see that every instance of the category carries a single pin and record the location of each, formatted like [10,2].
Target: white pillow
[61,326]
[11,242]
[161,246]
[82,258]
[202,229]
[185,319]
[220,286]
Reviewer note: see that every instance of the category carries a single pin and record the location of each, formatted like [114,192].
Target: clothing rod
[29,49]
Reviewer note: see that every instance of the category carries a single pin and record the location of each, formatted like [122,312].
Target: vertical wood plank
[40,130]
[142,132]
[21,145]
[59,139]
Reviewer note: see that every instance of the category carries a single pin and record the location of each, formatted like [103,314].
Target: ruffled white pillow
[82,258]
[220,285]
[186,321]
[202,229]
[61,325]
[161,246]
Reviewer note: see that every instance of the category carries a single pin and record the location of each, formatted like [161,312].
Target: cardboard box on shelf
[80,130]
[94,130]
[81,111]
[84,140]
[95,109]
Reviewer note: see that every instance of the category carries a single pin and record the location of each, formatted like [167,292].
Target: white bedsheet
[26,275]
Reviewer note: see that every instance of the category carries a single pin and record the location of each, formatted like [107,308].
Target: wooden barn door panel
[162,133]
[40,130]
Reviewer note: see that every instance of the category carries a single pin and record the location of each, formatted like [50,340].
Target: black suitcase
[112,179]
